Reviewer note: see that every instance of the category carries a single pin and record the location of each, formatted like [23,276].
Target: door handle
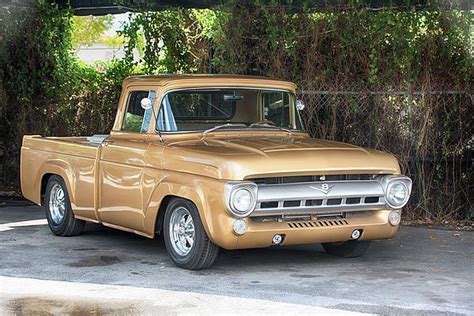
[107,142]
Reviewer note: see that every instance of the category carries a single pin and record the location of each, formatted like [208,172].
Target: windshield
[203,110]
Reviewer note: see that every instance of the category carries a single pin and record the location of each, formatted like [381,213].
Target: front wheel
[185,238]
[59,213]
[347,249]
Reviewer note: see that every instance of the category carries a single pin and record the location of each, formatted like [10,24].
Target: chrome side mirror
[146,103]
[299,105]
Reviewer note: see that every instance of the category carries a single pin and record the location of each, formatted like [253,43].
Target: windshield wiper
[266,125]
[204,133]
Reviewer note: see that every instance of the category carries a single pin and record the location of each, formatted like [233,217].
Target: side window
[137,119]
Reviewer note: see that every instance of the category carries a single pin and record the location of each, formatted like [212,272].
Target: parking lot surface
[421,271]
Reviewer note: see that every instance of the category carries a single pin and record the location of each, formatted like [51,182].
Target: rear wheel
[59,213]
[185,238]
[347,249]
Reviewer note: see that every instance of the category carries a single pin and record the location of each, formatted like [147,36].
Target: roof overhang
[103,7]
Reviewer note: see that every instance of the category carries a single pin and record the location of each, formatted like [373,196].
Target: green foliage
[176,40]
[33,56]
[133,123]
[387,47]
[44,89]
[88,30]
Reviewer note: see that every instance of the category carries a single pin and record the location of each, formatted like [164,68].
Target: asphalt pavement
[420,271]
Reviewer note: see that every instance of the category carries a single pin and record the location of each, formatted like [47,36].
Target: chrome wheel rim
[57,204]
[181,231]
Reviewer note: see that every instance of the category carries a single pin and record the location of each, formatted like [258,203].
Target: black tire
[348,249]
[67,225]
[203,252]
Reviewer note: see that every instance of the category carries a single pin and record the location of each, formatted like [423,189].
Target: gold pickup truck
[214,161]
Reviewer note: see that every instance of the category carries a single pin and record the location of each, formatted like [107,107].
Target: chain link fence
[430,132]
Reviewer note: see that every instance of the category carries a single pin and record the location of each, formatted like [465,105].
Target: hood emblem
[325,188]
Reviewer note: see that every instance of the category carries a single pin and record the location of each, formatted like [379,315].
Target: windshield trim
[163,95]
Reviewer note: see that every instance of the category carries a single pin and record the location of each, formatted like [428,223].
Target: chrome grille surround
[320,198]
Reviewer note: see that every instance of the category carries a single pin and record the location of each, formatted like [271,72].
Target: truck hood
[241,157]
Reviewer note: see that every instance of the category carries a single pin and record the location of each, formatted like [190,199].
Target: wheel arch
[195,191]
[44,182]
[48,170]
[161,213]
[159,201]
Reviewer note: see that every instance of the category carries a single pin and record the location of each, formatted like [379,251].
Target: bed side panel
[73,160]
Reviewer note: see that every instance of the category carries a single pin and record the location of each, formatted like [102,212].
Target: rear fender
[59,168]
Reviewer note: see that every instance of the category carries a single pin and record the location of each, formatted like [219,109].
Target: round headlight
[241,198]
[242,201]
[397,194]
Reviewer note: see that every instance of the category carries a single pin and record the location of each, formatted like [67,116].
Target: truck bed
[73,158]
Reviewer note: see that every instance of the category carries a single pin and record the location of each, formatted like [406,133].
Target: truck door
[122,180]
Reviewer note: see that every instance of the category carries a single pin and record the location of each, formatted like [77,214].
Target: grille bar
[313,178]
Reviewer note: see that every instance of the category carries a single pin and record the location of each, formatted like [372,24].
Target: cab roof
[207,80]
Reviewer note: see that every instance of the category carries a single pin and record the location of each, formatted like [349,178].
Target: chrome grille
[319,198]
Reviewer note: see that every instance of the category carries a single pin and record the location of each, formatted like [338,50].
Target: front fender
[208,196]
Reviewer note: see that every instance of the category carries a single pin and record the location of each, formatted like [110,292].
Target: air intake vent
[314,224]
[296,203]
[271,204]
[353,200]
[334,201]
[314,202]
[372,199]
